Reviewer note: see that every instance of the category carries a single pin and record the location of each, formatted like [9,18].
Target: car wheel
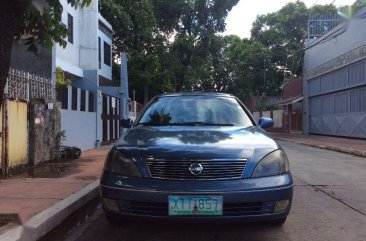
[277,222]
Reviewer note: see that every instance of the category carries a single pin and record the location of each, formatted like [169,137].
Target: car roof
[195,94]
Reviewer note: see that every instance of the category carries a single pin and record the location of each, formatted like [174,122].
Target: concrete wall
[276,115]
[44,124]
[352,36]
[40,63]
[82,54]
[80,128]
[70,54]
[89,37]
[334,82]
[105,70]
[277,118]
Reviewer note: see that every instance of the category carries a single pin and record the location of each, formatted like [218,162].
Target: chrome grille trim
[215,169]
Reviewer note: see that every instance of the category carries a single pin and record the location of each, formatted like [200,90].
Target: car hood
[196,142]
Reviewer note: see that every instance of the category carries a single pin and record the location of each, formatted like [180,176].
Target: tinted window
[196,109]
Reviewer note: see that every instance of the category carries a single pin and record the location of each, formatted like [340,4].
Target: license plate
[195,205]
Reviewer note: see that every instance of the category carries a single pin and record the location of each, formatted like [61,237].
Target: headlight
[275,163]
[120,164]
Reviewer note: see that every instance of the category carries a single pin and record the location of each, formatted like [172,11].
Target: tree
[350,10]
[136,32]
[285,32]
[194,23]
[21,19]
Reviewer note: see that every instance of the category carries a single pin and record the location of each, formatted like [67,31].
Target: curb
[332,148]
[45,221]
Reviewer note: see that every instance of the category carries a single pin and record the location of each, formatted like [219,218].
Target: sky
[241,17]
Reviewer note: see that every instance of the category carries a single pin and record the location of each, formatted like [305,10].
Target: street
[329,204]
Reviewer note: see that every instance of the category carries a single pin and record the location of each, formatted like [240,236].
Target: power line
[314,3]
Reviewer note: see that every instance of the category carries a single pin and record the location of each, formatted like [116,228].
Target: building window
[82,100]
[70,28]
[99,53]
[107,54]
[91,102]
[74,99]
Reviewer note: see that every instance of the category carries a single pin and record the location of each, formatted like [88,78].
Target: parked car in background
[197,156]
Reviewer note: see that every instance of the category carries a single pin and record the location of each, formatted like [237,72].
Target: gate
[14,135]
[337,102]
[110,118]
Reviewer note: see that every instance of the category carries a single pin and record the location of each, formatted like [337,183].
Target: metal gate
[337,102]
[14,135]
[110,118]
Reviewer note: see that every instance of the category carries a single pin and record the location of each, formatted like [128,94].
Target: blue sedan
[197,156]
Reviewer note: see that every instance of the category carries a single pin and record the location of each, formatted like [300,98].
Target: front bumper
[245,199]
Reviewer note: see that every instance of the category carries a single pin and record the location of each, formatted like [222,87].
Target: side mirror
[265,122]
[126,123]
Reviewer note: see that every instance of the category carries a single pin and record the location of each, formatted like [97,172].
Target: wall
[335,82]
[277,118]
[83,52]
[80,129]
[80,126]
[105,70]
[70,54]
[24,60]
[44,124]
[353,36]
[89,37]
[276,115]
[257,102]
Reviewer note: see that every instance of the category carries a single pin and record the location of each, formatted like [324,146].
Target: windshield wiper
[200,123]
[154,124]
[196,123]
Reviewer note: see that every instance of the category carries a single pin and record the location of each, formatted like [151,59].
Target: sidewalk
[39,201]
[347,145]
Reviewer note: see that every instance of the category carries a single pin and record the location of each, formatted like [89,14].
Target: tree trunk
[10,13]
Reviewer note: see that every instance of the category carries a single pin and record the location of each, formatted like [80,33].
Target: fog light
[281,206]
[111,204]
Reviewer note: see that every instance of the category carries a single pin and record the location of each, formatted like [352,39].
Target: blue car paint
[198,142]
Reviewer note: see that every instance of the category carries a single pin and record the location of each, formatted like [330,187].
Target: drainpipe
[124,87]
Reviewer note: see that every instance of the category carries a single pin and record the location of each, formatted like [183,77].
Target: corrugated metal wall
[337,102]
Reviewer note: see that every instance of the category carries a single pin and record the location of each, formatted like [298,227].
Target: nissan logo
[196,169]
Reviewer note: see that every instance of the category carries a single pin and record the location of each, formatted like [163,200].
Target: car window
[196,110]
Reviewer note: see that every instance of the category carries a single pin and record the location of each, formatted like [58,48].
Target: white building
[91,106]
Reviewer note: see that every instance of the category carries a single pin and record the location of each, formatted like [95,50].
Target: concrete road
[329,204]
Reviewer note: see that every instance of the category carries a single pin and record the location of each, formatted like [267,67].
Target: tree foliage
[195,24]
[175,45]
[351,10]
[285,32]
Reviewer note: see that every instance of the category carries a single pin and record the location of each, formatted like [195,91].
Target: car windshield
[196,110]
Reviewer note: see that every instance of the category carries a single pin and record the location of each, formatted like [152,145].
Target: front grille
[218,169]
[229,209]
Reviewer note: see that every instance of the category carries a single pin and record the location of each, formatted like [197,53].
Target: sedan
[197,157]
